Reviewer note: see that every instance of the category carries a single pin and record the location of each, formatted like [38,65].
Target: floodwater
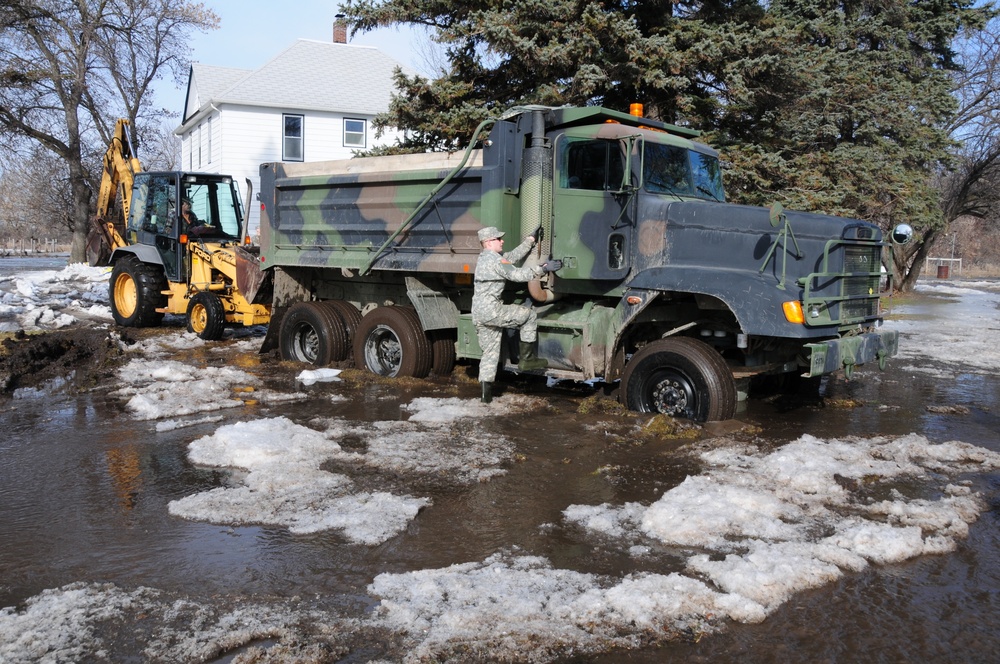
[85,488]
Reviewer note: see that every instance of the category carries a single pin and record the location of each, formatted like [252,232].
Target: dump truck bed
[373,212]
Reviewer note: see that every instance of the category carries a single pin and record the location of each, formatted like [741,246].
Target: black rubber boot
[487,392]
[527,361]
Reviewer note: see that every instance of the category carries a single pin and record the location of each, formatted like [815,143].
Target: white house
[314,101]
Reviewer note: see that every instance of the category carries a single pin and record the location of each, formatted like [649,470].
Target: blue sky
[251,32]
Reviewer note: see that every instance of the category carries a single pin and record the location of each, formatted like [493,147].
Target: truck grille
[862,258]
[847,295]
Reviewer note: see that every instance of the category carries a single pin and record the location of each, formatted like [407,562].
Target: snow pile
[754,530]
[509,606]
[431,410]
[53,299]
[157,389]
[286,483]
[62,625]
[797,517]
[286,486]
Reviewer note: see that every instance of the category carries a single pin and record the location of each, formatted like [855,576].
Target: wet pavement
[86,490]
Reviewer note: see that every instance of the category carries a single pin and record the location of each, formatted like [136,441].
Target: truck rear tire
[313,333]
[390,342]
[351,318]
[206,316]
[136,292]
[680,377]
[443,351]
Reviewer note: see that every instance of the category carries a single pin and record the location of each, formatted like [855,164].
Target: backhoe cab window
[678,171]
[215,206]
[596,165]
[153,205]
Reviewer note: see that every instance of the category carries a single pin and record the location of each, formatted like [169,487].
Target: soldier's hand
[537,234]
[552,265]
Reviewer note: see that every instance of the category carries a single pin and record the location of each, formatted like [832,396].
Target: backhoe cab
[180,249]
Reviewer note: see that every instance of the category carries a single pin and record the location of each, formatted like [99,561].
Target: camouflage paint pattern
[635,210]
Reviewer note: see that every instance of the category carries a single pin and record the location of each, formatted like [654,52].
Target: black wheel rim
[671,393]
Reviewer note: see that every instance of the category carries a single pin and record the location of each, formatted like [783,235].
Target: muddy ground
[88,355]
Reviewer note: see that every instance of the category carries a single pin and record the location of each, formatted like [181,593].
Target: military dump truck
[666,290]
[176,244]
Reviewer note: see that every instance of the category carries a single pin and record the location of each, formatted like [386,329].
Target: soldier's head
[491,238]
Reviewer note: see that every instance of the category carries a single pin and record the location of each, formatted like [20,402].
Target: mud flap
[849,352]
[271,338]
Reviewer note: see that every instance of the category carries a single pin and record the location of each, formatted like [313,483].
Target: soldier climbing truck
[665,287]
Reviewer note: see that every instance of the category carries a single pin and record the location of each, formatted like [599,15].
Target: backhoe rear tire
[136,292]
[206,316]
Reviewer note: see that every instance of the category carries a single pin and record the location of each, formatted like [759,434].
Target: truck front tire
[390,342]
[680,377]
[136,292]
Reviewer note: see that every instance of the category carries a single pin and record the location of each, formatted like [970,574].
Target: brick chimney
[340,30]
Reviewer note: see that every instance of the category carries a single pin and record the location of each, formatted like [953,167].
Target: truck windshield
[669,169]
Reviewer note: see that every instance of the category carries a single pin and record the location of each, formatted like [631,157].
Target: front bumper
[847,352]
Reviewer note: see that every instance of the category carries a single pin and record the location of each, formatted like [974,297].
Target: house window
[292,138]
[354,133]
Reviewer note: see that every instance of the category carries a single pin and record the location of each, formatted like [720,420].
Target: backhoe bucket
[254,283]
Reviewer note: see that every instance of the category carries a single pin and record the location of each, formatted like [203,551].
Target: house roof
[309,75]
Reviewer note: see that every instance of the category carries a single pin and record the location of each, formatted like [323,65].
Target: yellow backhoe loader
[176,247]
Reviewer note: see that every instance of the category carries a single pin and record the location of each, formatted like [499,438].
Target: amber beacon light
[636,110]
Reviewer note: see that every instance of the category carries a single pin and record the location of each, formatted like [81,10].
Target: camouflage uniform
[490,314]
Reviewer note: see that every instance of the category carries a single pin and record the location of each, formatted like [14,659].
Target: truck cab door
[153,219]
[593,222]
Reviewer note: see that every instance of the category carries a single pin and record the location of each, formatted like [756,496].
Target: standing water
[200,501]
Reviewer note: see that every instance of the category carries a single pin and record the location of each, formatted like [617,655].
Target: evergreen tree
[505,53]
[831,106]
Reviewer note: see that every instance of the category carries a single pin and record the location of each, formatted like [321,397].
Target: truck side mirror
[902,234]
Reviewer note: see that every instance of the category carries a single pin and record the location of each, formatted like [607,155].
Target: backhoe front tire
[206,316]
[136,292]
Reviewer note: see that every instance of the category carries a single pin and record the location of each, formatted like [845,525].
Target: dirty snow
[753,529]
[54,299]
[60,625]
[287,485]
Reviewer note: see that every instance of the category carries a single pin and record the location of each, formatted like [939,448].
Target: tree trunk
[80,212]
[915,258]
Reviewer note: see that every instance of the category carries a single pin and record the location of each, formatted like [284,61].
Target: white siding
[247,136]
